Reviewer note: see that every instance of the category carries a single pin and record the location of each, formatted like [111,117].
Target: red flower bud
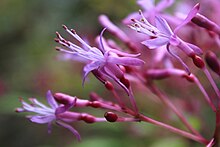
[109,86]
[125,81]
[88,118]
[198,61]
[111,116]
[212,61]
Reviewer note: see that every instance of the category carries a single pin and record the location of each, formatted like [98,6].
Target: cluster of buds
[112,66]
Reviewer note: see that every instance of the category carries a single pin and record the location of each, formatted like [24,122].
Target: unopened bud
[88,118]
[213,62]
[63,98]
[109,86]
[189,78]
[125,81]
[94,97]
[95,104]
[111,116]
[198,61]
[157,74]
[123,69]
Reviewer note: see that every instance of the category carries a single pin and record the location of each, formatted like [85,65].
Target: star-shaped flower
[48,115]
[103,59]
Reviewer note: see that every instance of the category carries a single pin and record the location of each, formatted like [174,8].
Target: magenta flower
[48,115]
[105,59]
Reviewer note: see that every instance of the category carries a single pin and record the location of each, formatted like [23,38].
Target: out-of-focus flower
[150,9]
[48,115]
[105,59]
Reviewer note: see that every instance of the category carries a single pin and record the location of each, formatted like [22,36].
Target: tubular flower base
[135,74]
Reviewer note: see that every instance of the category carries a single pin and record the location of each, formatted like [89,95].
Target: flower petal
[195,48]
[65,107]
[163,4]
[155,43]
[74,131]
[118,52]
[190,15]
[42,119]
[127,61]
[146,4]
[163,26]
[134,15]
[88,68]
[51,101]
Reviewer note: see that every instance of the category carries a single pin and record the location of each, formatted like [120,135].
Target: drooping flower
[104,59]
[47,115]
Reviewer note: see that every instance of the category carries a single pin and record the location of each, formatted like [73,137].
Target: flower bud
[189,78]
[95,104]
[111,116]
[212,61]
[94,97]
[88,118]
[109,86]
[198,61]
[157,74]
[125,81]
[63,98]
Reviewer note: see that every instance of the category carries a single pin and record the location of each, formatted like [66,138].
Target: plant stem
[217,129]
[174,130]
[167,102]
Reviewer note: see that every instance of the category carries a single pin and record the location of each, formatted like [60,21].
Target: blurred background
[29,67]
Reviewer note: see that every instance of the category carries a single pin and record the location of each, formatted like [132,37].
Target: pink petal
[65,107]
[163,26]
[127,20]
[190,15]
[127,61]
[88,68]
[74,131]
[195,48]
[146,4]
[163,4]
[42,119]
[51,101]
[118,52]
[155,43]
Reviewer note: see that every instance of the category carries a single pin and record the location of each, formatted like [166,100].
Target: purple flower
[48,115]
[104,59]
[162,32]
[150,9]
[163,35]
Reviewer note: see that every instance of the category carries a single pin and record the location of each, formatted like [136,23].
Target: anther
[57,40]
[65,27]
[73,31]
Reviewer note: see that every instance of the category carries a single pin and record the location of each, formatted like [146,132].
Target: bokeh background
[29,67]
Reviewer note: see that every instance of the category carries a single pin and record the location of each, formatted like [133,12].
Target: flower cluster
[150,28]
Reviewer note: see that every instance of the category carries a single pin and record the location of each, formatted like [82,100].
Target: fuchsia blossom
[104,60]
